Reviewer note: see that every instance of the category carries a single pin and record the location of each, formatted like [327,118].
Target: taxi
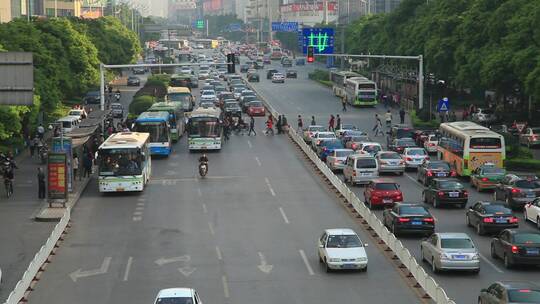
[487,176]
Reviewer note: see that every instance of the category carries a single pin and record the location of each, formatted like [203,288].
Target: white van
[360,169]
[69,123]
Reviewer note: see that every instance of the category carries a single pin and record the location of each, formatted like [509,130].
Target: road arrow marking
[163,261]
[264,267]
[186,270]
[79,273]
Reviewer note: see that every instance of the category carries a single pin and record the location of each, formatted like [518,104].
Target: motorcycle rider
[203,160]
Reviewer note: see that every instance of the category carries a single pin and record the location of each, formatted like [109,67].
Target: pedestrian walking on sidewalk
[338,122]
[331,123]
[252,126]
[278,125]
[284,124]
[300,124]
[343,104]
[41,183]
[75,165]
[87,166]
[313,122]
[402,116]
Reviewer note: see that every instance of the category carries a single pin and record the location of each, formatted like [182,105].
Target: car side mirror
[366,245]
[321,245]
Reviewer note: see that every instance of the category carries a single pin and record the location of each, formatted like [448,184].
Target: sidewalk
[20,235]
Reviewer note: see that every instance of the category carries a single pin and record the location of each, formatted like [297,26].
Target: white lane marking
[140,204]
[128,268]
[490,263]
[103,269]
[249,144]
[306,262]
[258,161]
[141,199]
[139,208]
[225,286]
[218,253]
[199,192]
[205,210]
[284,215]
[137,218]
[211,227]
[269,186]
[137,213]
[413,179]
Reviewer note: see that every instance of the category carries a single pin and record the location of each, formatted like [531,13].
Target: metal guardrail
[428,283]
[20,291]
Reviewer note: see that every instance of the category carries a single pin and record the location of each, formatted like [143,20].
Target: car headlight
[362,259]
[335,260]
[444,256]
[476,256]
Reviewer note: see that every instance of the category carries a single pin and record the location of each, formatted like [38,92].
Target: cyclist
[8,178]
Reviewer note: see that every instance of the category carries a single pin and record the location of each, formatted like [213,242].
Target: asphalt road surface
[245,234]
[306,97]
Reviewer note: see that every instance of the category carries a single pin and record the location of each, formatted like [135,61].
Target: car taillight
[513,219]
[488,220]
[465,193]
[429,220]
[404,220]
[515,249]
[440,193]
[515,190]
[429,173]
[409,158]
[399,197]
[354,173]
[453,173]
[427,158]
[485,179]
[318,142]
[431,144]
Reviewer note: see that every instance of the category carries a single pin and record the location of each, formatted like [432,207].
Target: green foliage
[476,44]
[140,104]
[319,75]
[159,80]
[422,121]
[523,164]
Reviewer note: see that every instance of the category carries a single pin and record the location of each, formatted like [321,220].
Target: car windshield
[455,243]
[493,171]
[316,128]
[372,148]
[174,301]
[326,135]
[497,209]
[333,144]
[524,295]
[450,185]
[207,93]
[527,184]
[439,166]
[389,156]
[366,163]
[359,138]
[527,238]
[343,241]
[404,133]
[386,186]
[343,153]
[416,152]
[410,210]
[249,98]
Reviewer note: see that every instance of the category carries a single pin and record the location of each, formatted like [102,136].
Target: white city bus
[466,146]
[338,79]
[204,129]
[124,162]
[360,91]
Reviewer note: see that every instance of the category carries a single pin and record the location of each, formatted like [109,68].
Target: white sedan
[414,157]
[532,212]
[342,249]
[177,295]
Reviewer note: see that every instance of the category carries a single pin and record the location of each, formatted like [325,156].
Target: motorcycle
[203,169]
[43,152]
[117,96]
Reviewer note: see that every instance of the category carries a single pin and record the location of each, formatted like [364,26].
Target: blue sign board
[322,40]
[443,105]
[234,27]
[284,26]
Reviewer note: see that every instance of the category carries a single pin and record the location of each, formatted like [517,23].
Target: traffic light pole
[420,78]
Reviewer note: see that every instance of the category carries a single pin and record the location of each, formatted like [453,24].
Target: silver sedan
[450,251]
[390,161]
[336,159]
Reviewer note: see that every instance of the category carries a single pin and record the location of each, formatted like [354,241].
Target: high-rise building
[66,8]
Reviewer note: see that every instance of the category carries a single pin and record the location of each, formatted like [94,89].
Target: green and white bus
[360,91]
[338,79]
[124,162]
[176,117]
[204,129]
[183,95]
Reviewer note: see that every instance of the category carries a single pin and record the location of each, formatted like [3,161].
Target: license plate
[387,201]
[453,194]
[459,257]
[365,174]
[441,174]
[349,266]
[417,223]
[533,251]
[530,195]
[501,220]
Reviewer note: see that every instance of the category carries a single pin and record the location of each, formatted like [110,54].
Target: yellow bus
[466,146]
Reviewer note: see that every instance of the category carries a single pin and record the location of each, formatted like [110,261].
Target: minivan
[360,169]
[69,123]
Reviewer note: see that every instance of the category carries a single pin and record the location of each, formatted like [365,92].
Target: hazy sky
[155,7]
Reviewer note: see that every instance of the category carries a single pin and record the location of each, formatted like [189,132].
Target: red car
[382,192]
[256,108]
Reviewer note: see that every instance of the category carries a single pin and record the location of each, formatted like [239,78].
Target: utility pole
[270,38]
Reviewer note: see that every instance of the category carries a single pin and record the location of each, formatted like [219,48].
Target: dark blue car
[328,146]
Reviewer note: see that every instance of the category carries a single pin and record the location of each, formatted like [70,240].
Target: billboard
[56,176]
[322,40]
[212,5]
[16,78]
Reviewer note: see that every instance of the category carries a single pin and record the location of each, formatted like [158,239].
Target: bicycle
[8,184]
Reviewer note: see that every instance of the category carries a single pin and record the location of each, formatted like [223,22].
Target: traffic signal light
[231,66]
[310,55]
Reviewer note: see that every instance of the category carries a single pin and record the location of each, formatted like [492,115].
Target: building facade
[62,8]
[309,13]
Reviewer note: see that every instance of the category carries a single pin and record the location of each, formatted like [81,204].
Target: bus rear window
[485,143]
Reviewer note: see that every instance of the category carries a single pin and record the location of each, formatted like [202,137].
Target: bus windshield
[157,130]
[116,162]
[204,127]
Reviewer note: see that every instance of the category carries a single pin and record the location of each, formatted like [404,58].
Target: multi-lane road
[245,234]
[303,96]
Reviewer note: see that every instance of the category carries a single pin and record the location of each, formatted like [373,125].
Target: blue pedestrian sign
[443,105]
[284,26]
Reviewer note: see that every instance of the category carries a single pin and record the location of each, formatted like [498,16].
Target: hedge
[419,123]
[141,104]
[523,164]
[319,75]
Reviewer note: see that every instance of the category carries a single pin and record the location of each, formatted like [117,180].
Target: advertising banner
[63,145]
[56,176]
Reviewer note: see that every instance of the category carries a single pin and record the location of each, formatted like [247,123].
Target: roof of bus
[165,106]
[178,90]
[205,111]
[125,140]
[359,79]
[153,116]
[468,128]
[347,73]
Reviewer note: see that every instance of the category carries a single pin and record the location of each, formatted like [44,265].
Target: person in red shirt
[331,123]
[269,126]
